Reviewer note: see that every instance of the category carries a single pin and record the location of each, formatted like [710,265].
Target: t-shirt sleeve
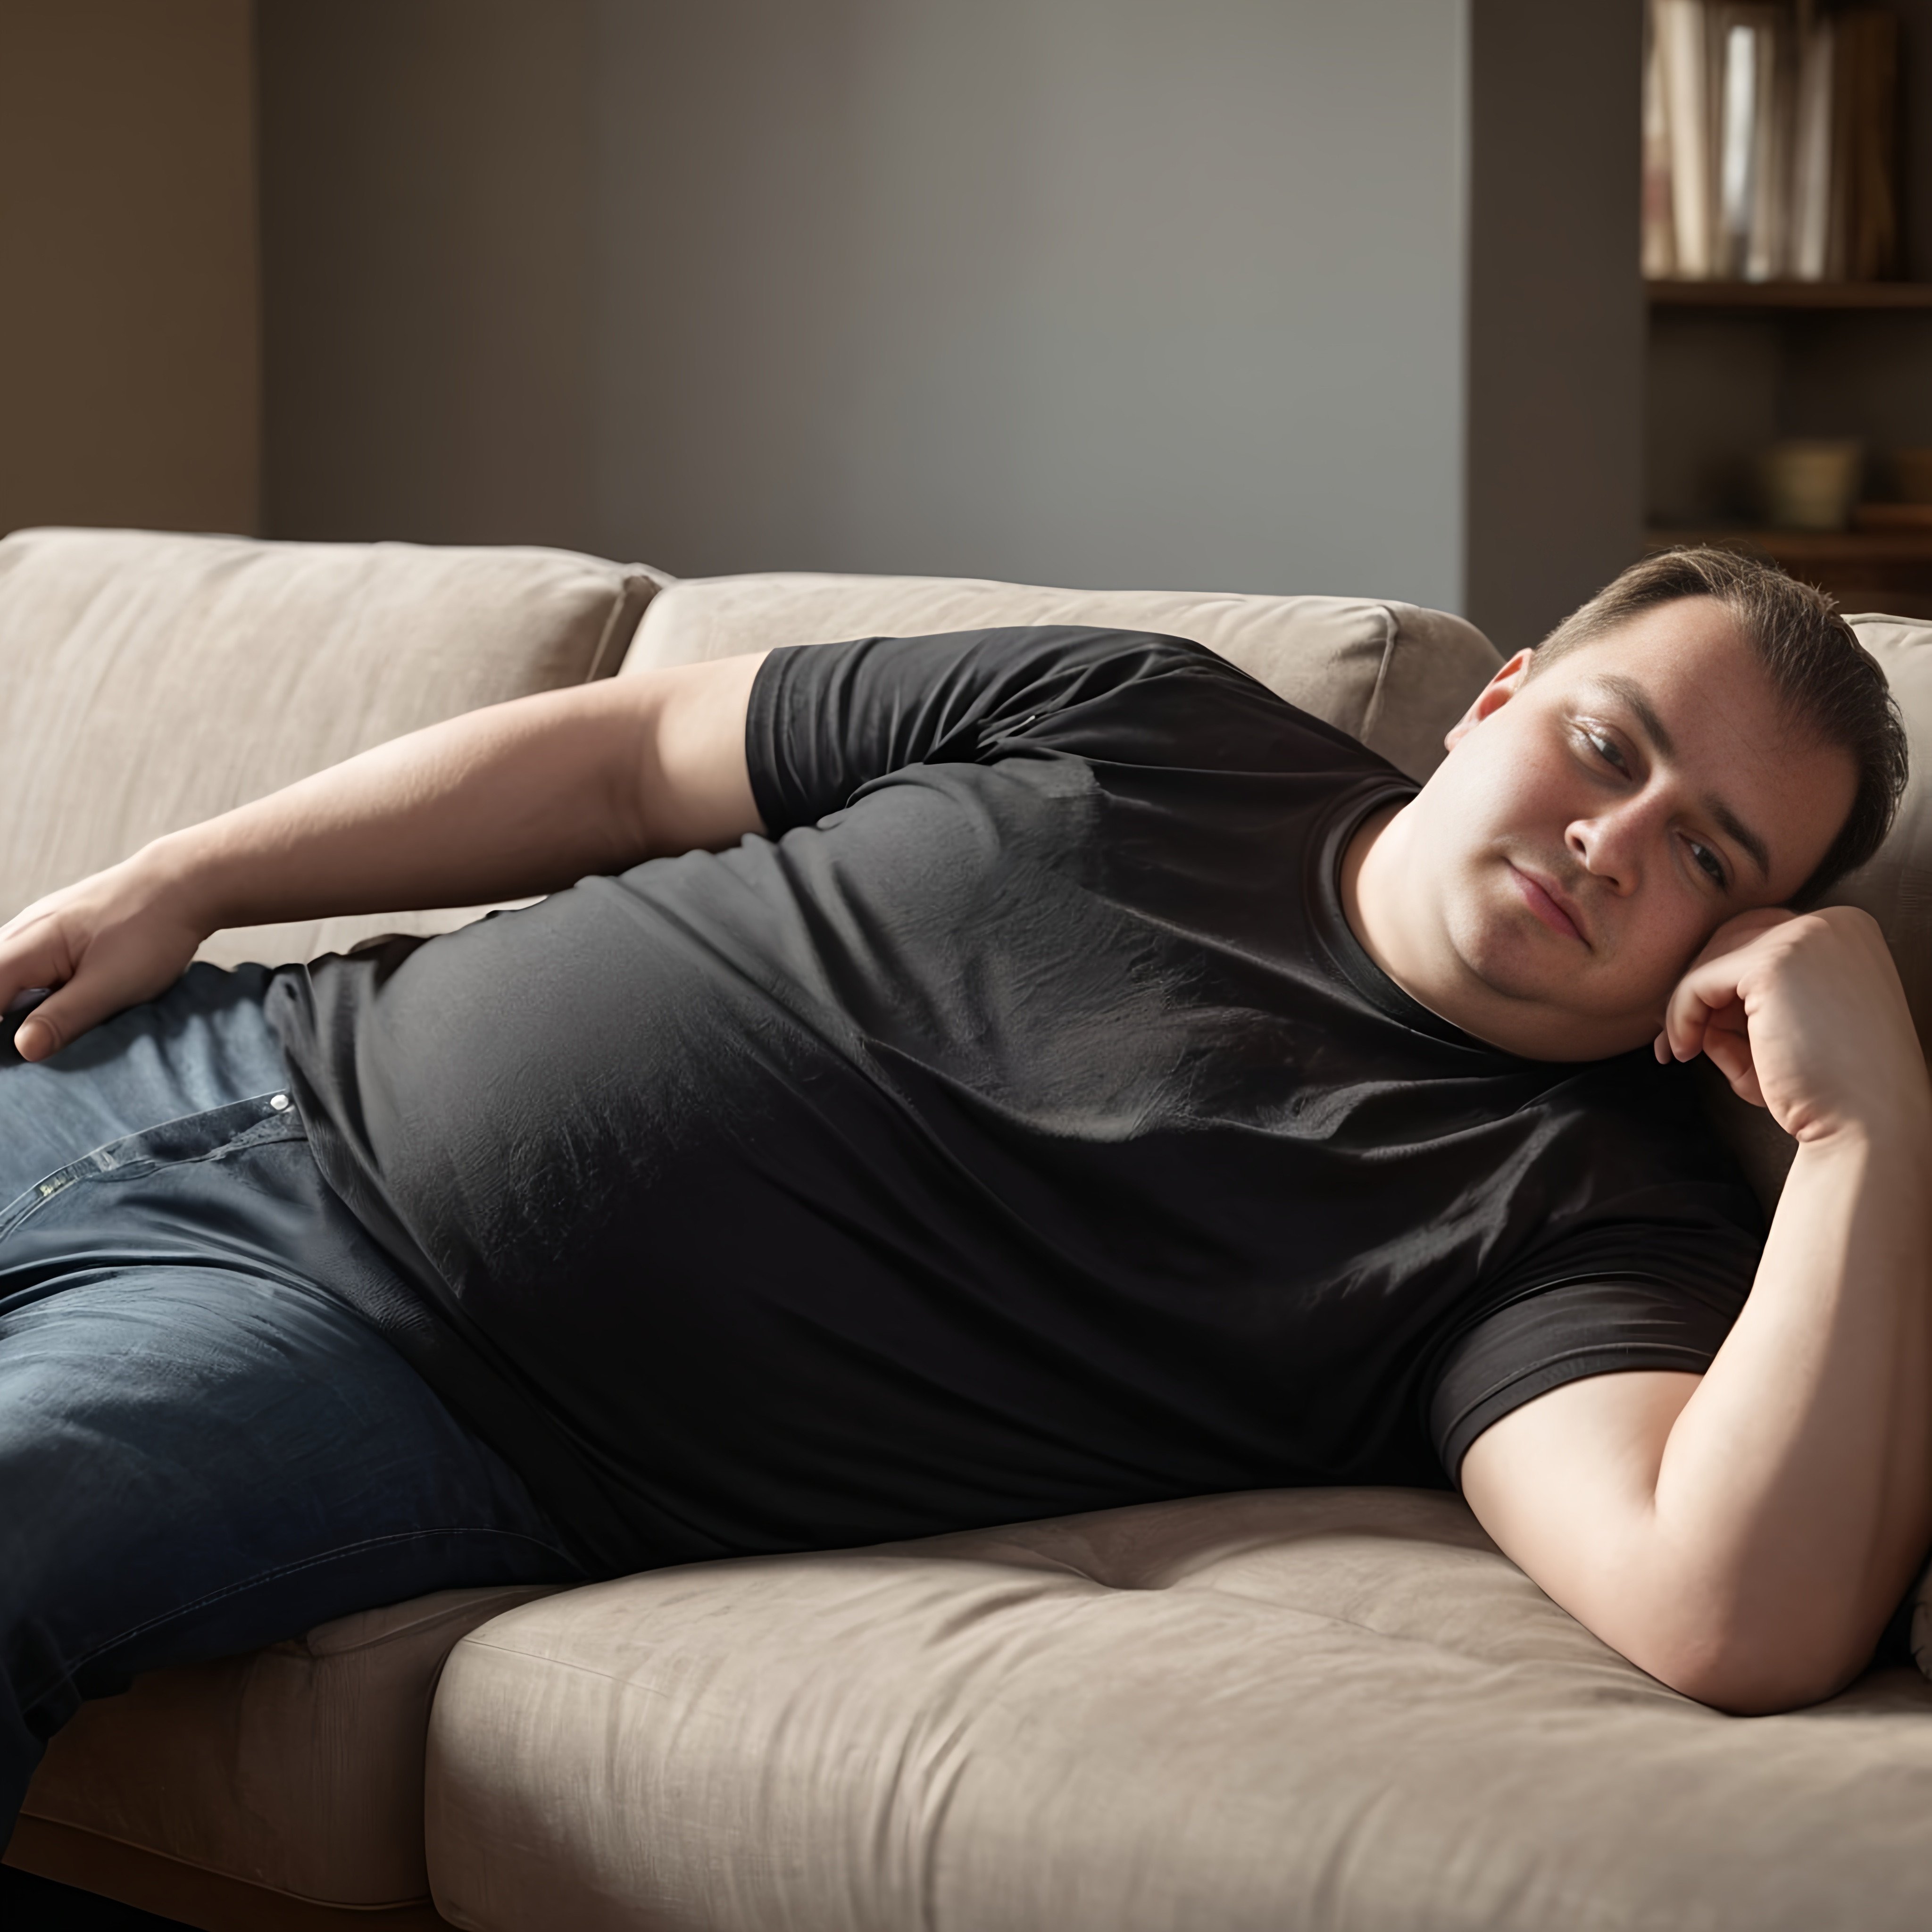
[1672,1313]
[825,720]
[1643,1240]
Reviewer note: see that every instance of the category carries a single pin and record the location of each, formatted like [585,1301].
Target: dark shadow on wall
[426,172]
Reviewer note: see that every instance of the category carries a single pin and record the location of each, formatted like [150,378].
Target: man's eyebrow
[1632,693]
[1742,833]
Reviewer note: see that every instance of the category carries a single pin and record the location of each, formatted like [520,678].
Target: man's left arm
[1743,1535]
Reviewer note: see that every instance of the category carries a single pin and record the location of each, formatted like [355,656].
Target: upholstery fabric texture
[153,680]
[299,1768]
[1394,676]
[1331,1707]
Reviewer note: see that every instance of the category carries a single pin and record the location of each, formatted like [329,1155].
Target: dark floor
[30,1904]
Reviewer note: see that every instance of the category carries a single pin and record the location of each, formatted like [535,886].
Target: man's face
[1593,825]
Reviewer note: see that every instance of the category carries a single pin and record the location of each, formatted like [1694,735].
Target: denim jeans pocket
[194,1137]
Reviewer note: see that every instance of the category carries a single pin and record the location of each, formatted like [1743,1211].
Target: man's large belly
[811,1287]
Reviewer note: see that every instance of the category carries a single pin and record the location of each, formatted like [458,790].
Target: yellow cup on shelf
[1811,484]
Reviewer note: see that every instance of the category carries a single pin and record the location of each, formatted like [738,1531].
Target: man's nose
[1609,847]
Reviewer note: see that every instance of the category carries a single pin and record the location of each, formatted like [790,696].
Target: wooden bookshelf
[1734,368]
[1789,295]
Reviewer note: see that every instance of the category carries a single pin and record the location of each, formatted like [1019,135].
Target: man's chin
[1527,1004]
[1518,960]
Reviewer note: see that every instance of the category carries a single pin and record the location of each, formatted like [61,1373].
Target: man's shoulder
[1158,687]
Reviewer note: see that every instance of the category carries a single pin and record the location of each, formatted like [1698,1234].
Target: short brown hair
[1826,678]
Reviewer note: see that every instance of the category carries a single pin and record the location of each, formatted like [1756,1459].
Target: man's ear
[1493,696]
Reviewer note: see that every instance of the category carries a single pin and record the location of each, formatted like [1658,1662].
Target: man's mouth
[1550,903]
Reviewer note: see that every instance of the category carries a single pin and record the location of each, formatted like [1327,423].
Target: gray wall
[1109,292]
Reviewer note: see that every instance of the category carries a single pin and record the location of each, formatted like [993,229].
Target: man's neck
[1389,910]
[1370,916]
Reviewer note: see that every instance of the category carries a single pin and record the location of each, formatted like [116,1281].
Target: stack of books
[1771,142]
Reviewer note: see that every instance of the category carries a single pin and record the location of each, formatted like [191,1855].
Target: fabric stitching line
[405,1633]
[1582,1353]
[1577,1278]
[477,1640]
[375,1913]
[44,1191]
[277,1574]
[93,1153]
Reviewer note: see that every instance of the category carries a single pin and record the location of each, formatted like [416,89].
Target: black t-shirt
[1018,1130]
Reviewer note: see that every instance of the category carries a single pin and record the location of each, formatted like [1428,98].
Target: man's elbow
[1754,1672]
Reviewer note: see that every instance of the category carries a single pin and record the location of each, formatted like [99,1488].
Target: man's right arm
[519,798]
[1743,1536]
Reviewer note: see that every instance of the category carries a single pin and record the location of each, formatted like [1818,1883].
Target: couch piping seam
[1372,711]
[215,1871]
[275,1575]
[632,582]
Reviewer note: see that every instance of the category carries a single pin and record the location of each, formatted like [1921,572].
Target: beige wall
[130,360]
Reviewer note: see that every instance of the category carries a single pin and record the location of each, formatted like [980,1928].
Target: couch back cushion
[1896,888]
[148,681]
[1393,675]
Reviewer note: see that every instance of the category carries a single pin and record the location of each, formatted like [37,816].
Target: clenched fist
[1804,1014]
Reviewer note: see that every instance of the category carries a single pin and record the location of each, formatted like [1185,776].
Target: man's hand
[122,936]
[1804,1015]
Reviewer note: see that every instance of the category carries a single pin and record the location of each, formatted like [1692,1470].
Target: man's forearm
[518,798]
[1794,1496]
[1743,1535]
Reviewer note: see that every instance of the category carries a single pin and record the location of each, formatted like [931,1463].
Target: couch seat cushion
[148,680]
[1393,675]
[299,1767]
[1327,1709]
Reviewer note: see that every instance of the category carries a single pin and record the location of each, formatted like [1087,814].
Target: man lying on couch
[979,1077]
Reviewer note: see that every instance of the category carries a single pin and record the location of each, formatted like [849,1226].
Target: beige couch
[1323,1709]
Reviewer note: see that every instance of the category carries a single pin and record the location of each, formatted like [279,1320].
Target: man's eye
[1713,865]
[1605,748]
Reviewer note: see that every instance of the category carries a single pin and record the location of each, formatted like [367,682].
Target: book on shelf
[1771,141]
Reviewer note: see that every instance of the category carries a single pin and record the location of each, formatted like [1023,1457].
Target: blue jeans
[201,1449]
